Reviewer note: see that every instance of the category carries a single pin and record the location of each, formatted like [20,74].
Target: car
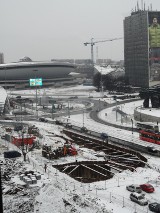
[43,120]
[84,129]
[18,127]
[3,137]
[134,188]
[68,125]
[147,187]
[8,118]
[58,122]
[104,136]
[73,97]
[154,207]
[152,150]
[138,198]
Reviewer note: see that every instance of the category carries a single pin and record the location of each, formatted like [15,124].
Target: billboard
[154,47]
[35,82]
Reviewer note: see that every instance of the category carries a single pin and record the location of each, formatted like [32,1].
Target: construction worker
[64,150]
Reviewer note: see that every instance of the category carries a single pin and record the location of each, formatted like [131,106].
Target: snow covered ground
[58,193]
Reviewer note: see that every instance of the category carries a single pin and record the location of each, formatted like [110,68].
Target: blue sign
[35,82]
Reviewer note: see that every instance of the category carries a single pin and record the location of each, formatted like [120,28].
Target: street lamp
[35,71]
[132,125]
[68,110]
[1,198]
[83,118]
[5,70]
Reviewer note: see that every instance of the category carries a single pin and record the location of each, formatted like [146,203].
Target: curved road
[94,115]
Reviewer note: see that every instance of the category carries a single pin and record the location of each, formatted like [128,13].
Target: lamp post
[116,109]
[132,125]
[68,110]
[5,70]
[83,118]
[1,199]
[35,71]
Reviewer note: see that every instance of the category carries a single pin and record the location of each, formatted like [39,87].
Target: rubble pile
[17,197]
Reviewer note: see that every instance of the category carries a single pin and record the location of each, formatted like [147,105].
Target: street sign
[35,82]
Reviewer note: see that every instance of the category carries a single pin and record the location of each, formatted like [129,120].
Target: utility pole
[36,92]
[132,125]
[68,110]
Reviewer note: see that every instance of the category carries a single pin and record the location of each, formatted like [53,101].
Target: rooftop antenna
[151,7]
[137,6]
[144,6]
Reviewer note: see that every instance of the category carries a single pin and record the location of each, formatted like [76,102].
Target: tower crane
[92,43]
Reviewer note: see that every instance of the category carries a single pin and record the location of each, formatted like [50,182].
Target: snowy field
[58,193]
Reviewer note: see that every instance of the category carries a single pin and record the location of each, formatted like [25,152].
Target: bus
[148,136]
[148,132]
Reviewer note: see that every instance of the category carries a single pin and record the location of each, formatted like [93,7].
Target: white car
[134,188]
[139,198]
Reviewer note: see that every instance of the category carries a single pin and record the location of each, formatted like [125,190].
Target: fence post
[96,192]
[74,188]
[118,181]
[83,191]
[110,197]
[105,185]
[135,208]
[123,202]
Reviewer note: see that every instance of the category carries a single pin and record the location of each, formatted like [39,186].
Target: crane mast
[92,43]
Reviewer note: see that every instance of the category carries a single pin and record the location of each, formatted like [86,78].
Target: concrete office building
[141,58]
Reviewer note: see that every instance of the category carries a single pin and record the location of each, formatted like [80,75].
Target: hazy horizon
[57,29]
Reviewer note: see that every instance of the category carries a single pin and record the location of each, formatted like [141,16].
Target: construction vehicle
[33,130]
[51,153]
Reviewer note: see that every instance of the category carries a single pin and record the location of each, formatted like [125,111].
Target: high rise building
[1,58]
[142,48]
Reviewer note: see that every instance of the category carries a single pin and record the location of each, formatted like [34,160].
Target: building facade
[1,58]
[19,74]
[141,60]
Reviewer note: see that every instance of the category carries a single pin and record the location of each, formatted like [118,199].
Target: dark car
[58,122]
[12,154]
[84,129]
[8,118]
[18,128]
[151,150]
[43,120]
[147,187]
[68,125]
[104,136]
[154,207]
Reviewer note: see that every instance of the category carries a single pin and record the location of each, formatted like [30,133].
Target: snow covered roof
[104,70]
[3,95]
[34,63]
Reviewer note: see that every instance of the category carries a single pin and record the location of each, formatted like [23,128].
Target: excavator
[66,150]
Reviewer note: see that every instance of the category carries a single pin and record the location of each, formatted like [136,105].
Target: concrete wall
[142,117]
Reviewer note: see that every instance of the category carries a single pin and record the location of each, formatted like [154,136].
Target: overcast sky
[47,29]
